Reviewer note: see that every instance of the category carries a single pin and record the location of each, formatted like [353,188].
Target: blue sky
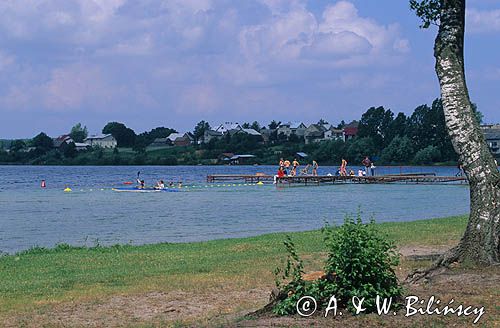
[172,63]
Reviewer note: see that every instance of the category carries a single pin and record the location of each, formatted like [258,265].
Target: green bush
[359,263]
[428,155]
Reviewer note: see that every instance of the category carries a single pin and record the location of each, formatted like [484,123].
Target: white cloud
[282,37]
[73,86]
[343,17]
[483,21]
[198,98]
[340,37]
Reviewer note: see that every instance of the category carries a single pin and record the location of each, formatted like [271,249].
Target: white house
[492,136]
[228,127]
[180,139]
[252,132]
[211,134]
[102,140]
[289,128]
[334,134]
[81,146]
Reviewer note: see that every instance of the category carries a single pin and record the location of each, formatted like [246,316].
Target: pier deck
[416,178]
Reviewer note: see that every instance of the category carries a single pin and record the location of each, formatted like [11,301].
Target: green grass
[44,276]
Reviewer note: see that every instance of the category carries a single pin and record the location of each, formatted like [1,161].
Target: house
[81,146]
[334,134]
[225,157]
[159,142]
[314,133]
[57,142]
[301,155]
[256,135]
[228,127]
[350,130]
[266,134]
[252,132]
[65,139]
[211,134]
[492,137]
[289,128]
[242,159]
[180,139]
[102,140]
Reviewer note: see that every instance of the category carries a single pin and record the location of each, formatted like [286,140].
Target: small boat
[135,189]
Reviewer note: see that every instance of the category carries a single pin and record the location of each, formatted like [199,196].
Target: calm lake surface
[32,216]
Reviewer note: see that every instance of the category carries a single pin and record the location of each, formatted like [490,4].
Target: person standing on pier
[372,169]
[295,165]
[367,164]
[287,166]
[315,168]
[343,168]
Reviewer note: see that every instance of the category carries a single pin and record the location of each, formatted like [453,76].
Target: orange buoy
[43,185]
[127,183]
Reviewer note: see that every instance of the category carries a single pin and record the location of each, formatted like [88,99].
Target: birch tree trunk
[480,243]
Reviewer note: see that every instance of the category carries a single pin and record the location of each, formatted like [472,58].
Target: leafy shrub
[427,155]
[400,150]
[361,259]
[359,263]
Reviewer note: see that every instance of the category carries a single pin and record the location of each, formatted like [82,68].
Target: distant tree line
[386,137]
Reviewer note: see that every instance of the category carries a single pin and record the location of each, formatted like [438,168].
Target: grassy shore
[39,277]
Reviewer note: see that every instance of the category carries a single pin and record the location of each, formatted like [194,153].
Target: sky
[172,63]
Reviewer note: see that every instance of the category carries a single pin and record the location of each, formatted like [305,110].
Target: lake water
[30,215]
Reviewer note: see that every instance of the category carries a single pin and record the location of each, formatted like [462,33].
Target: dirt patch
[153,307]
[422,253]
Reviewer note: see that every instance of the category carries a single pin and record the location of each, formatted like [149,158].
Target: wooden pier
[409,178]
[238,177]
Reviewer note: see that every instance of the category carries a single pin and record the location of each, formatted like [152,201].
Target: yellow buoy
[260,183]
[67,189]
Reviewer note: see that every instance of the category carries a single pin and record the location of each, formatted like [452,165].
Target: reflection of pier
[408,178]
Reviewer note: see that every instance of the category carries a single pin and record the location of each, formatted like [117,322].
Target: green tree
[398,127]
[17,145]
[428,155]
[427,127]
[274,125]
[42,143]
[330,151]
[144,139]
[400,150]
[78,134]
[375,123]
[358,148]
[480,243]
[125,137]
[199,131]
[479,116]
[69,150]
[255,125]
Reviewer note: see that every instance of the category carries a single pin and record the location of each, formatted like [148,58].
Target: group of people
[290,169]
[284,168]
[366,162]
[159,184]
